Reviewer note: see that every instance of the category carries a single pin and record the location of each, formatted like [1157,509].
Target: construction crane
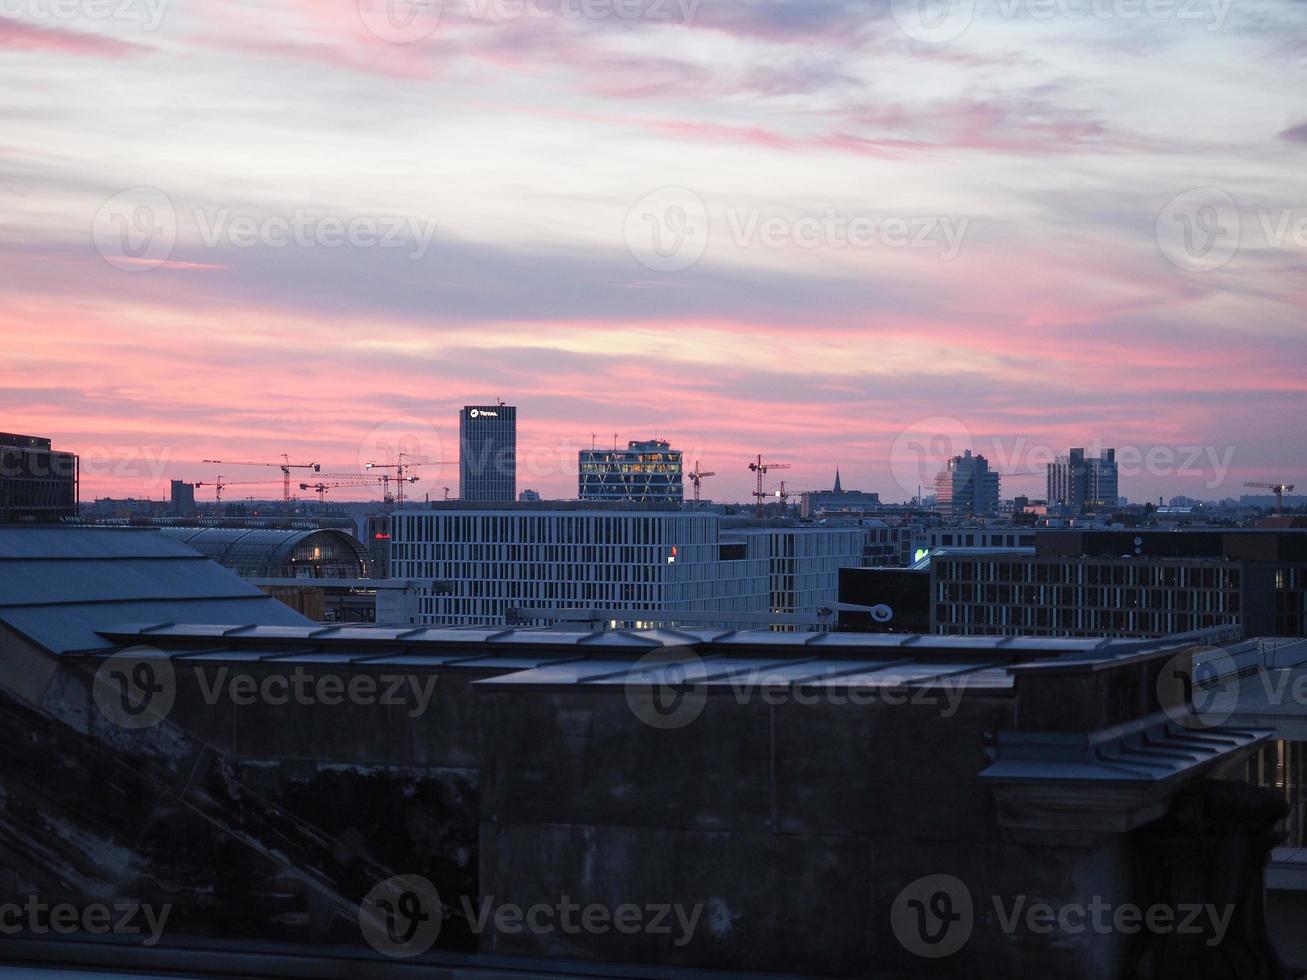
[220,484]
[401,476]
[285,466]
[762,469]
[1279,489]
[697,476]
[321,489]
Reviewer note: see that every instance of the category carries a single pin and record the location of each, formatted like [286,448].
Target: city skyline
[921,451]
[1043,166]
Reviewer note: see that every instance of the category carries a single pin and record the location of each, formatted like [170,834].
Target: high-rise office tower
[967,487]
[1081,483]
[644,472]
[487,453]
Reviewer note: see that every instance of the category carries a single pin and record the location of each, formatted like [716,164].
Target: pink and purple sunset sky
[1059,141]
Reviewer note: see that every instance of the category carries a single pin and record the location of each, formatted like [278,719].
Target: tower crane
[697,476]
[1279,489]
[321,489]
[220,484]
[762,469]
[401,476]
[285,466]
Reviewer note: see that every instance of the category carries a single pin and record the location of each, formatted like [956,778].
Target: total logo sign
[481,413]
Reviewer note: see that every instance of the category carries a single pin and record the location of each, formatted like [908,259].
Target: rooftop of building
[60,585]
[16,441]
[542,506]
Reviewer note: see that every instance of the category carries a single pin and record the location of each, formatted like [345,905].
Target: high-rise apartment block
[1081,482]
[967,487]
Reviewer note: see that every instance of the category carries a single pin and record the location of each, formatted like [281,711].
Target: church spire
[838,488]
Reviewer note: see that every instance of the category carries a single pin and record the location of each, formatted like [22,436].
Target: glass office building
[487,453]
[644,472]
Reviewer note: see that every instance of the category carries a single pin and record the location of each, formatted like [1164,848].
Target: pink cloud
[18,36]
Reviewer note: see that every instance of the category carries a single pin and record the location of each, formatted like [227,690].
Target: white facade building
[480,563]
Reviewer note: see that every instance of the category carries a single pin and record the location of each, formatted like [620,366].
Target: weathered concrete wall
[793,826]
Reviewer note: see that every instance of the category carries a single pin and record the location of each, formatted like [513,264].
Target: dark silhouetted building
[181,499]
[37,483]
[487,453]
[1126,583]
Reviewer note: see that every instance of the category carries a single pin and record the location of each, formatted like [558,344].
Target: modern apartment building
[484,562]
[967,487]
[1079,482]
[644,472]
[1126,583]
[37,483]
[487,453]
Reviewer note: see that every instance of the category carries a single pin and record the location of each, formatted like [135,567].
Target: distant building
[1079,482]
[127,508]
[644,472]
[37,483]
[482,563]
[487,453]
[967,487]
[182,499]
[1126,583]
[837,500]
[528,496]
